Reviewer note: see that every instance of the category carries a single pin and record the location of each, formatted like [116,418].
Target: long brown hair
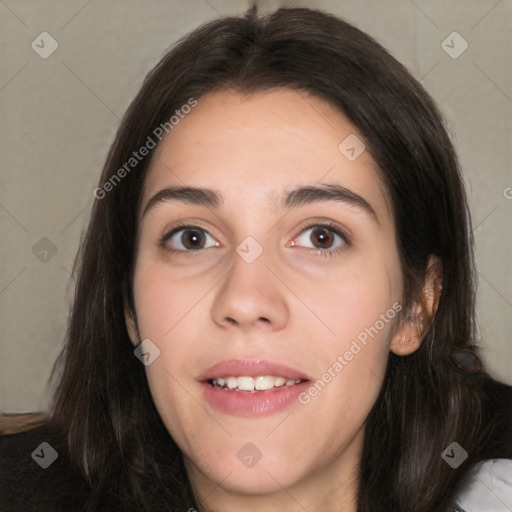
[102,403]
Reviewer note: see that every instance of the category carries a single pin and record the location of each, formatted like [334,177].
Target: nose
[251,296]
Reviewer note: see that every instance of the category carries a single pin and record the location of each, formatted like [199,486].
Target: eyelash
[162,242]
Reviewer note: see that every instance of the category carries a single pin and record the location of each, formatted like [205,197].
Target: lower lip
[252,403]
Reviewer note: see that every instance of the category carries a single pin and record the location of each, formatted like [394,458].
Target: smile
[252,388]
[259,383]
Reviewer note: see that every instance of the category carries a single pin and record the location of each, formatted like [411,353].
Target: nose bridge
[250,291]
[250,263]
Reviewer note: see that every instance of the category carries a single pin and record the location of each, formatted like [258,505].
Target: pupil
[325,235]
[194,236]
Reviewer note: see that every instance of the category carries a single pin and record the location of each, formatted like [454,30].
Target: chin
[260,481]
[266,476]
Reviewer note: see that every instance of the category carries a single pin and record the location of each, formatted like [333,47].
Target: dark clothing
[27,486]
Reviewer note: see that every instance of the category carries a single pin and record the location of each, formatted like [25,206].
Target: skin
[290,305]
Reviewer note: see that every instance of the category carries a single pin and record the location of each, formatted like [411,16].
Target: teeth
[245,383]
[279,381]
[260,383]
[263,383]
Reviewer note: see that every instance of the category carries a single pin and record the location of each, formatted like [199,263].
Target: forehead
[255,146]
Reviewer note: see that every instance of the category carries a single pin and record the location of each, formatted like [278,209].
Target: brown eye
[323,237]
[186,239]
[192,239]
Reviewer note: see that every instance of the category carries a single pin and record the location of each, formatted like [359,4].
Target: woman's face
[257,287]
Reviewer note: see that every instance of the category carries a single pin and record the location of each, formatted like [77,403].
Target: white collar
[487,487]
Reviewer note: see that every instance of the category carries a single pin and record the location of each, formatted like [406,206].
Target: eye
[184,238]
[323,237]
[188,238]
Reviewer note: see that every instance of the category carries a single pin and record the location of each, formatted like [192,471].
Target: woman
[274,303]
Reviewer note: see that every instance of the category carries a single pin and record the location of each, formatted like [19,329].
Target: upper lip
[254,368]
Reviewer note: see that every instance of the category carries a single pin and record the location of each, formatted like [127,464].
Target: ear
[410,333]
[131,326]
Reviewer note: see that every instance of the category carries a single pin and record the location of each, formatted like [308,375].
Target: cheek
[356,297]
[350,373]
[176,404]
[163,299]
[360,311]
[171,313]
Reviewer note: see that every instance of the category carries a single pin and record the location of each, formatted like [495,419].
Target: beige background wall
[59,116]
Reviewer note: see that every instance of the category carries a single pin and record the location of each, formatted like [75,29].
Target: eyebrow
[290,199]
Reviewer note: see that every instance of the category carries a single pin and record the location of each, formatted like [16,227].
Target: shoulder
[487,486]
[35,472]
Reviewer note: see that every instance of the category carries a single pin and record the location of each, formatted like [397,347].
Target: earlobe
[131,327]
[410,333]
[408,336]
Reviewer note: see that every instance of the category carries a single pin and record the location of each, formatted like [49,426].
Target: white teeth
[263,383]
[279,381]
[260,383]
[245,383]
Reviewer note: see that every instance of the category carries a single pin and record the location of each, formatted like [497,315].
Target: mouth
[252,388]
